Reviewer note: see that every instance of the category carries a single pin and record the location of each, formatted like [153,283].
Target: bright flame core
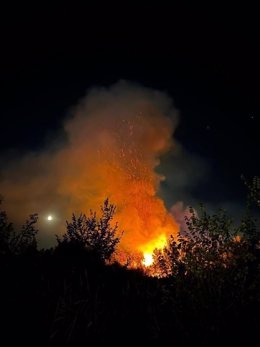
[148,259]
[148,249]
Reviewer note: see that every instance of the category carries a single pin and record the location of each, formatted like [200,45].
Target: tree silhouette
[98,235]
[25,240]
[17,242]
[6,233]
[210,242]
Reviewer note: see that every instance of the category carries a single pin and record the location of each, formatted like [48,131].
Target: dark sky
[207,60]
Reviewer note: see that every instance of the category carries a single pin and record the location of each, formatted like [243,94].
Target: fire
[148,249]
[148,259]
[115,138]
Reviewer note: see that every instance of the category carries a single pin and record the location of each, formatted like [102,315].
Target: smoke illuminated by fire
[115,138]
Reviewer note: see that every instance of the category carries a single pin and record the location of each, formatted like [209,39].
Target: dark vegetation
[207,288]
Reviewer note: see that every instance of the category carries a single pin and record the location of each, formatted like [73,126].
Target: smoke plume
[115,138]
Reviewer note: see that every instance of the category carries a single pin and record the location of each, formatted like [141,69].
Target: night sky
[207,61]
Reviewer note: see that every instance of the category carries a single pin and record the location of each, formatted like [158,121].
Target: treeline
[204,286]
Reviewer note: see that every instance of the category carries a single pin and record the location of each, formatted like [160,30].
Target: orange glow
[115,138]
[148,249]
[237,238]
[148,259]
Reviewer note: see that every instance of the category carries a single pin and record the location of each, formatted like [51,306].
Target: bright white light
[50,218]
[148,259]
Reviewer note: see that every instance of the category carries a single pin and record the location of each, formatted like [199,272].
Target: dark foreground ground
[57,297]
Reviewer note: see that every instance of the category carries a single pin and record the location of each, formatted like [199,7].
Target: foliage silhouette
[208,291]
[17,242]
[6,233]
[97,235]
[210,242]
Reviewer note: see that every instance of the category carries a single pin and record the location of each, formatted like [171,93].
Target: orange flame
[115,139]
[148,249]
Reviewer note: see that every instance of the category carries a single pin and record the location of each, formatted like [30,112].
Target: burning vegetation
[115,138]
[131,264]
[202,282]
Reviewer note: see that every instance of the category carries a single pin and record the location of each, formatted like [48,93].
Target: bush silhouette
[210,242]
[17,242]
[6,233]
[207,291]
[96,234]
